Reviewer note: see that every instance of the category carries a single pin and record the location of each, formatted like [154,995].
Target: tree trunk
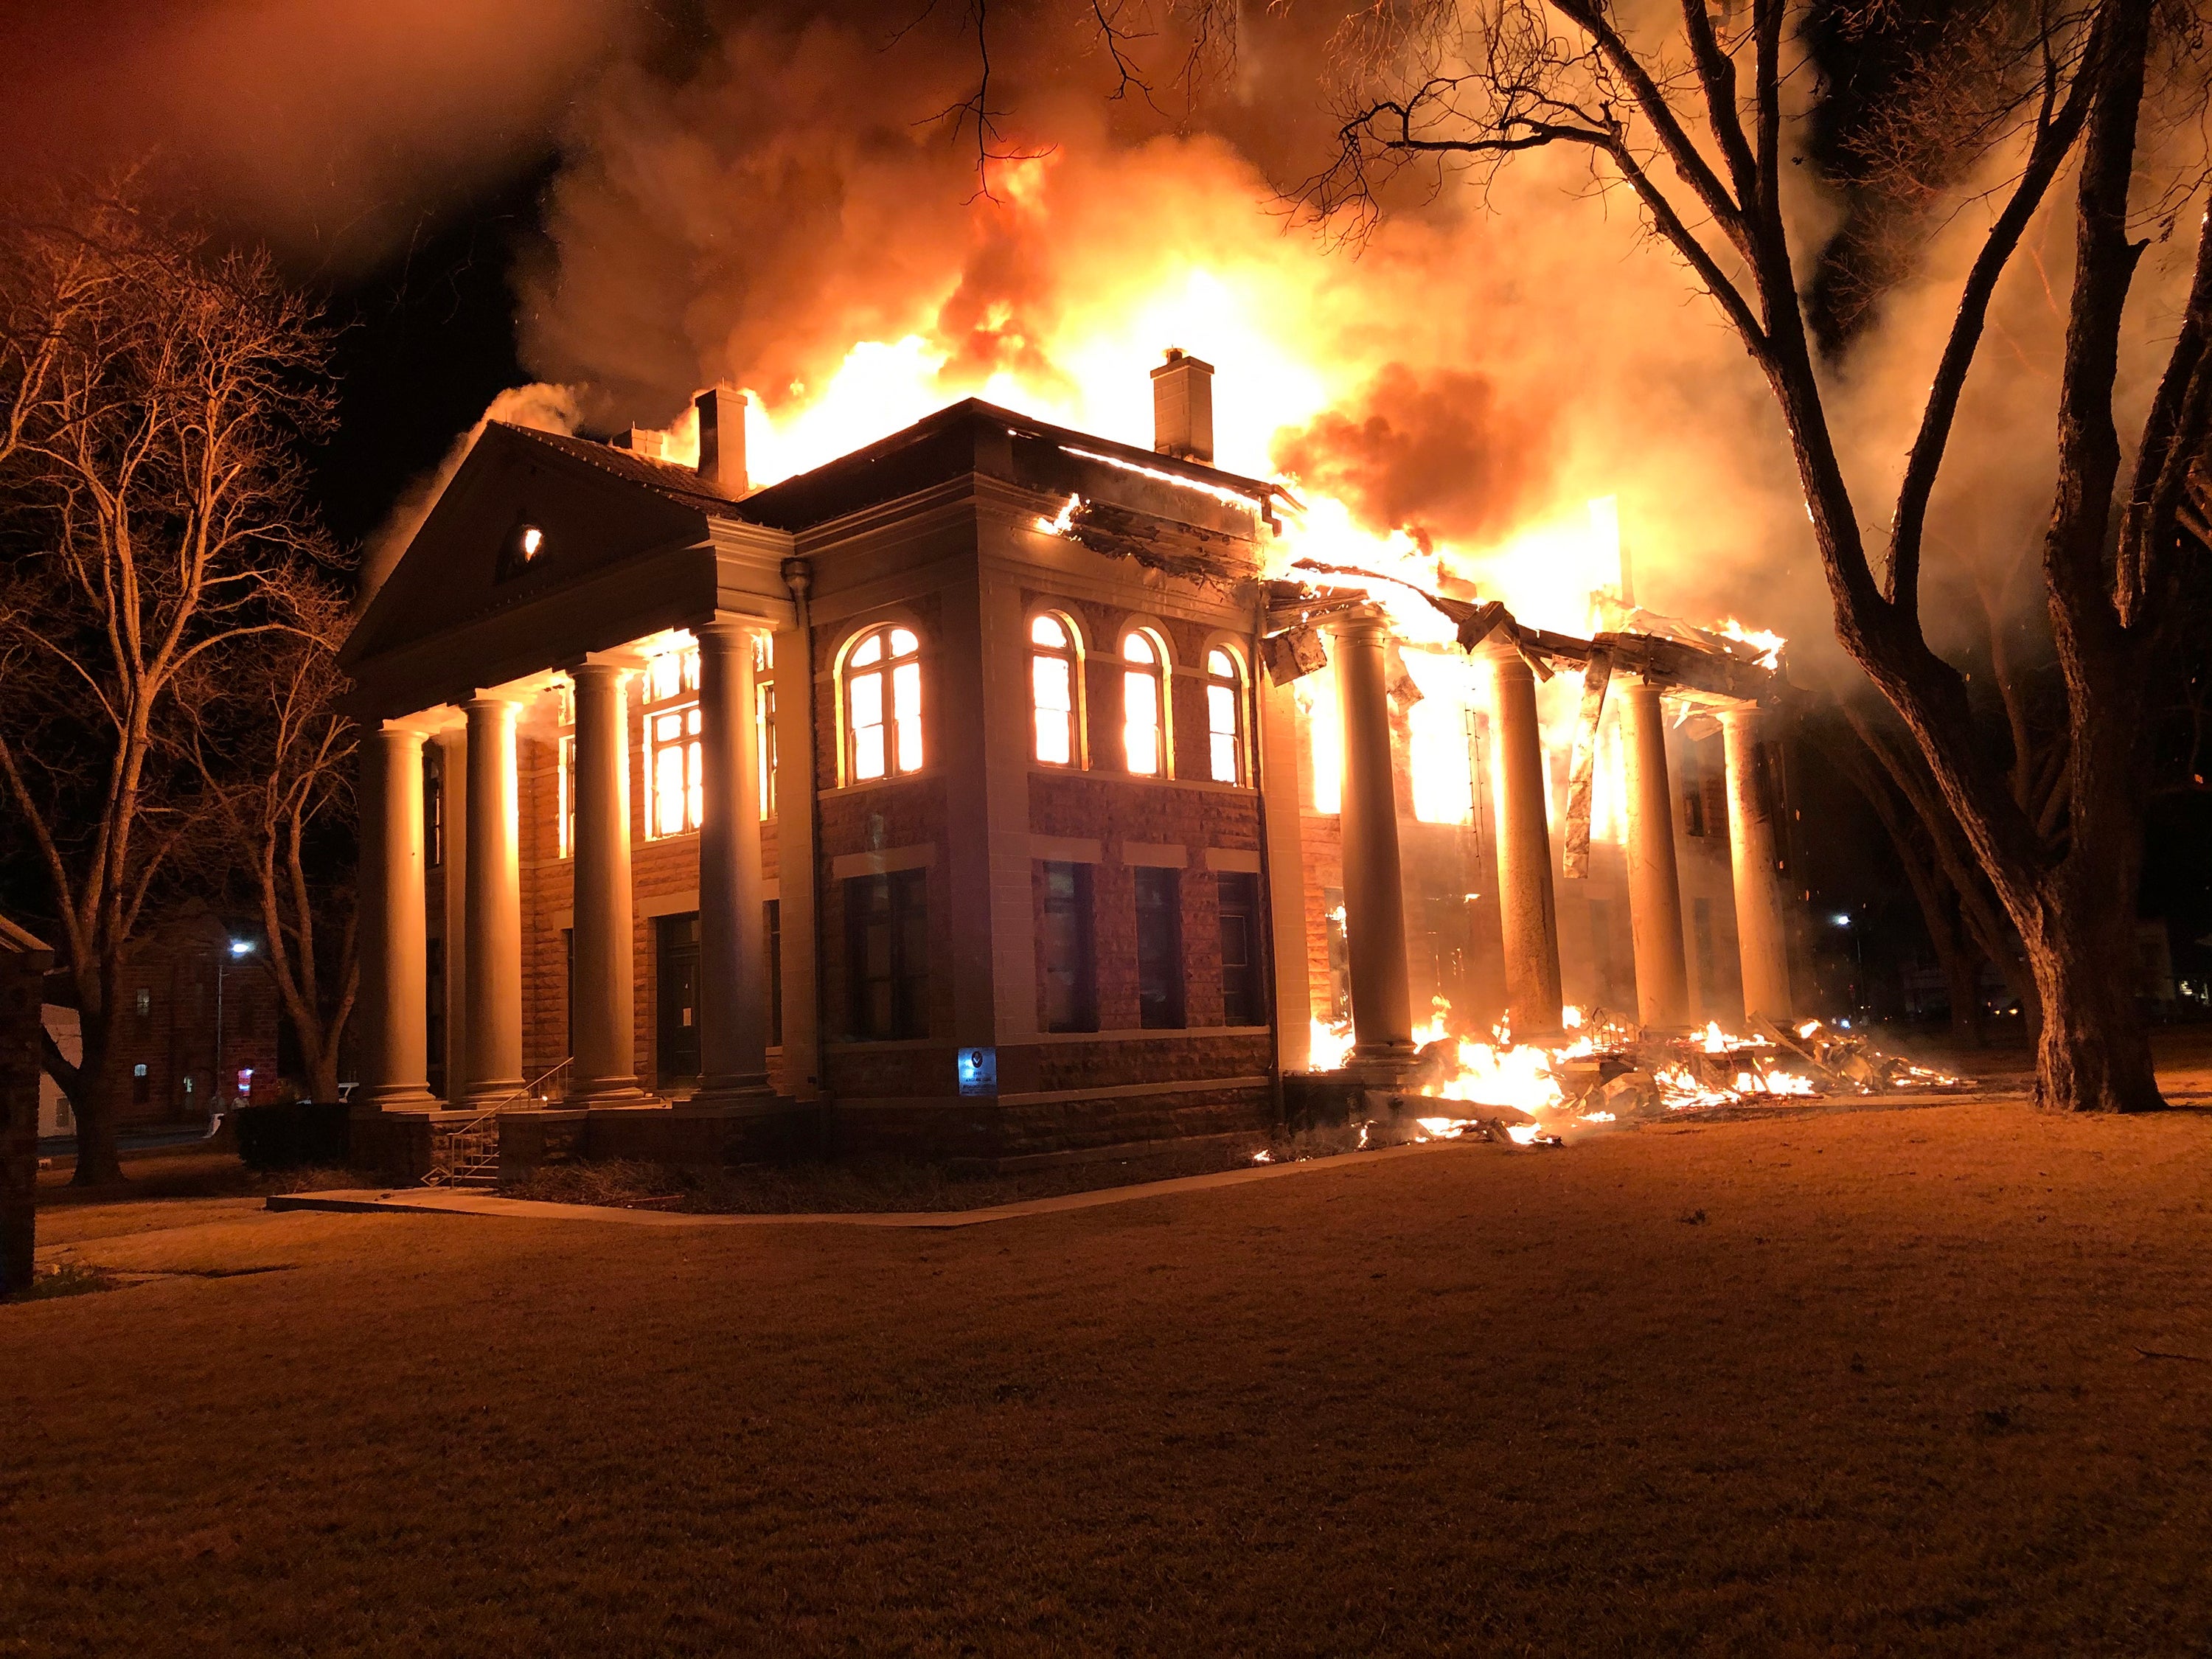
[1962,983]
[2094,1051]
[97,1163]
[323,1070]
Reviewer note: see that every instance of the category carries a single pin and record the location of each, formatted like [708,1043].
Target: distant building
[178,1069]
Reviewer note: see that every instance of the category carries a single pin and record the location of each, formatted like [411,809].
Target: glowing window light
[1144,735]
[883,732]
[1441,743]
[1052,691]
[675,747]
[1224,728]
[1316,696]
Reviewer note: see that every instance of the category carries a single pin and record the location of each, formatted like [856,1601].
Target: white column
[494,909]
[394,999]
[1655,891]
[1374,889]
[733,947]
[1525,901]
[1762,942]
[605,991]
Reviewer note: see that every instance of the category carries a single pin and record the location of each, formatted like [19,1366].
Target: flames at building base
[1608,1073]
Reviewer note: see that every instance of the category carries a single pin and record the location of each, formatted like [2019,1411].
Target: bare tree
[274,752]
[1692,117]
[155,395]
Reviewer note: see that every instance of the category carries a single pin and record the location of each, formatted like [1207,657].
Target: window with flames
[674,754]
[883,704]
[1144,703]
[1224,717]
[1053,682]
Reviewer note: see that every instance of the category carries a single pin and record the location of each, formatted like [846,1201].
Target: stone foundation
[1022,1128]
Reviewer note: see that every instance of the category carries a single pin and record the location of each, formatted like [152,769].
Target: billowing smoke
[541,408]
[1440,458]
[787,199]
[332,129]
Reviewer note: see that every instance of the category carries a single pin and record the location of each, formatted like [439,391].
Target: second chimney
[1183,408]
[723,437]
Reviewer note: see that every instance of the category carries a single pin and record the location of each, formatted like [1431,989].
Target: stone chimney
[646,440]
[723,437]
[1183,408]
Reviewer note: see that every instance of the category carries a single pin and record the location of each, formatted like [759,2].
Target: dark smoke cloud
[332,129]
[1441,457]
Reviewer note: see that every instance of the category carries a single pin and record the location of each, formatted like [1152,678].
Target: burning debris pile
[1608,1071]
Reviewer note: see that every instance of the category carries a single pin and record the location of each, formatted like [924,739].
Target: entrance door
[675,979]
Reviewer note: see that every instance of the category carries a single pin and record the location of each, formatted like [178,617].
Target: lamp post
[1842,918]
[239,948]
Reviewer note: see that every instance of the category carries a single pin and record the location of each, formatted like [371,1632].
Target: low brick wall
[680,1134]
[395,1147]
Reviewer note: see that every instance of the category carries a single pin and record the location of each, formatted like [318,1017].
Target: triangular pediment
[469,559]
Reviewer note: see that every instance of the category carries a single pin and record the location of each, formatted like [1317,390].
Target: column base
[399,1097]
[1383,1065]
[734,1093]
[612,1092]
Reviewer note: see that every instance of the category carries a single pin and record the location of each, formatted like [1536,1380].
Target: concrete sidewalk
[447,1201]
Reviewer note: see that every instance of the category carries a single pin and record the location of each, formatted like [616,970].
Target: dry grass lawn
[1874,1382]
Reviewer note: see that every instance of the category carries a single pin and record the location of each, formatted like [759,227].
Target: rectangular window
[1340,954]
[434,1016]
[772,930]
[887,954]
[764,737]
[568,999]
[565,820]
[1243,984]
[1071,978]
[1159,949]
[434,805]
[675,779]
[145,1006]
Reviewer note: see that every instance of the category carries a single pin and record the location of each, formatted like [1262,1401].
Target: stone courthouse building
[936,800]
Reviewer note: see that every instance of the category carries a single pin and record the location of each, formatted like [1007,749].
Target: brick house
[935,799]
[176,976]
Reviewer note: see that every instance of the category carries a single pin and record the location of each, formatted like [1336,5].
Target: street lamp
[1842,918]
[240,949]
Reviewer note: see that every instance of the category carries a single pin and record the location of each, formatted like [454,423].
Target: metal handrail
[534,1089]
[452,1135]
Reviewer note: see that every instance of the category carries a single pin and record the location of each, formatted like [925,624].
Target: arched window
[882,703]
[1224,729]
[1144,703]
[1052,690]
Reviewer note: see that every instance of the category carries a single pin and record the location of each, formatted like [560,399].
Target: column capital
[600,668]
[496,697]
[1365,623]
[731,627]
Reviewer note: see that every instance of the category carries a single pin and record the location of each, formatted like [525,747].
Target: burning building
[996,789]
